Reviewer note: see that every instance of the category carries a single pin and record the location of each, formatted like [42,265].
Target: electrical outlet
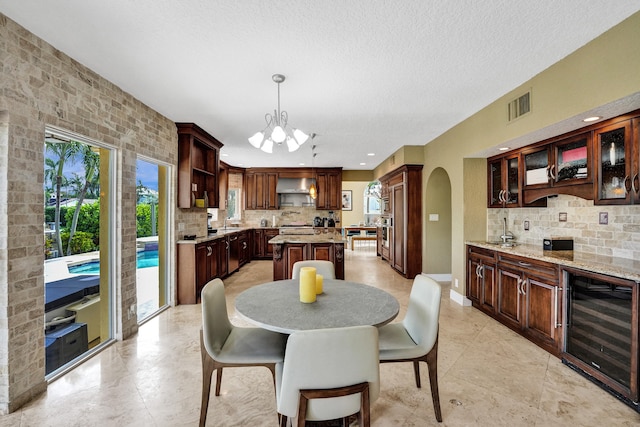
[181,226]
[456,283]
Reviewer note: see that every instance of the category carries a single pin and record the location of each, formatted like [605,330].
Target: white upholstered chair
[224,345]
[415,339]
[328,374]
[326,268]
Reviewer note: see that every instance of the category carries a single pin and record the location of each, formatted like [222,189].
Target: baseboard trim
[459,298]
[439,277]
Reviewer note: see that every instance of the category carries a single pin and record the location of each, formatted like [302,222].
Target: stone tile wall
[619,238]
[41,86]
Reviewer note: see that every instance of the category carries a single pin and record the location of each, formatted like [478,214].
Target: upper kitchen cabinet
[260,190]
[617,172]
[198,165]
[504,178]
[504,181]
[563,166]
[329,185]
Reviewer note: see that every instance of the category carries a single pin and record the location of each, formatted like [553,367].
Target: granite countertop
[308,238]
[613,266]
[220,233]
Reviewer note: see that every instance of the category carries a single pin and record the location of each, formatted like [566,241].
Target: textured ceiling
[365,76]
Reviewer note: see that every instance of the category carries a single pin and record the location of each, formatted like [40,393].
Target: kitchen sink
[503,244]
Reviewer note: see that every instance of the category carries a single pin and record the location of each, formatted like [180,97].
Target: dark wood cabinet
[245,247]
[404,186]
[521,293]
[504,182]
[197,265]
[286,254]
[329,185]
[198,165]
[260,190]
[529,299]
[616,177]
[261,247]
[600,162]
[481,278]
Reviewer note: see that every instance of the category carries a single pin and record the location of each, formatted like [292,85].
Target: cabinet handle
[524,264]
[634,184]
[481,271]
[209,251]
[552,172]
[244,245]
[555,310]
[503,198]
[521,289]
[627,184]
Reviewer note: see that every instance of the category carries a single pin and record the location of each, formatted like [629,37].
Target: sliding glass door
[152,235]
[78,233]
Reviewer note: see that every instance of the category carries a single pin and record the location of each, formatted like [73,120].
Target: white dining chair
[224,345]
[328,374]
[415,339]
[326,268]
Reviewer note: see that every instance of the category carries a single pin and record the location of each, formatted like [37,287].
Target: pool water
[145,259]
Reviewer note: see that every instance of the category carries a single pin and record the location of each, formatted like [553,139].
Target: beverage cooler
[601,335]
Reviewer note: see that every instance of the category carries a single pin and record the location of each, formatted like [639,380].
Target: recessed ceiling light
[591,119]
[371,154]
[301,164]
[503,148]
[362,163]
[225,155]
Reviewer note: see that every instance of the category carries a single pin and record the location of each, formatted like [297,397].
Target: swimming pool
[145,259]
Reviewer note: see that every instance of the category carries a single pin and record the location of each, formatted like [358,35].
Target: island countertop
[308,238]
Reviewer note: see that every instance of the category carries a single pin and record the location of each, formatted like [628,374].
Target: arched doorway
[437,222]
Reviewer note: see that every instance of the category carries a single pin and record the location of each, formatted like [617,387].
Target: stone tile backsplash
[620,237]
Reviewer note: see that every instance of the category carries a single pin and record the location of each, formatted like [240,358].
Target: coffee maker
[210,220]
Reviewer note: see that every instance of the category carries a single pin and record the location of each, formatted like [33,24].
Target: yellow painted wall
[356,215]
[603,71]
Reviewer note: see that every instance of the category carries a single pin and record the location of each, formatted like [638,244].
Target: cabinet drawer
[486,255]
[529,266]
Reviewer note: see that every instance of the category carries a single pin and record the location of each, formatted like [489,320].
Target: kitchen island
[291,248]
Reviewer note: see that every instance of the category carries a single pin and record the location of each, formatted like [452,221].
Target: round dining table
[276,306]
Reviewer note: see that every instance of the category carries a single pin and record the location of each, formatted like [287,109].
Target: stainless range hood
[294,192]
[294,185]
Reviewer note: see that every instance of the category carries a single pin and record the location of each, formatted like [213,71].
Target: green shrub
[82,242]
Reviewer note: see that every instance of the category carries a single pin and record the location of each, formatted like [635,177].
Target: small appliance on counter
[263,222]
[557,244]
[210,229]
[318,222]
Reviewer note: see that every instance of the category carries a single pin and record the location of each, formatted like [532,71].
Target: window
[233,204]
[372,203]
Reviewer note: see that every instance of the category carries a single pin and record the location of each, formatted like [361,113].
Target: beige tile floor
[489,376]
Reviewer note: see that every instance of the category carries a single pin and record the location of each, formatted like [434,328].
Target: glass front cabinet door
[573,161]
[504,182]
[614,160]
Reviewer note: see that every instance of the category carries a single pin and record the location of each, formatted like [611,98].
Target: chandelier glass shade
[277,130]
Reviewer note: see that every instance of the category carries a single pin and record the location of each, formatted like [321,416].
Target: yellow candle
[319,280]
[307,284]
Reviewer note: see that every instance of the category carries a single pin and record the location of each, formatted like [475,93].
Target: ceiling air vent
[520,106]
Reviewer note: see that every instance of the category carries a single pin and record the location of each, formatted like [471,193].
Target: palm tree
[60,152]
[91,162]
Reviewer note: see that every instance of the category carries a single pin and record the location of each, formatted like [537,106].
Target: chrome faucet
[225,223]
[506,235]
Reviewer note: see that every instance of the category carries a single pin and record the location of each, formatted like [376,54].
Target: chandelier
[277,131]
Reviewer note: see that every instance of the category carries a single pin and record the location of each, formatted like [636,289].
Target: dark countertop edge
[218,235]
[624,268]
[308,238]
